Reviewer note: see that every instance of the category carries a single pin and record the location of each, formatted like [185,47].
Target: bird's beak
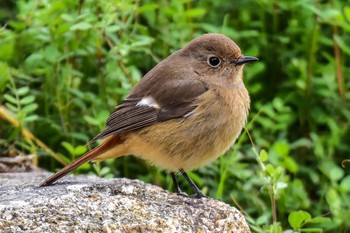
[245,59]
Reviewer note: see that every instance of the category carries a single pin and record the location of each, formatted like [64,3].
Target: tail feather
[105,146]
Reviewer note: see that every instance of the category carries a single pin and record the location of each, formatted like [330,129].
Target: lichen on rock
[90,204]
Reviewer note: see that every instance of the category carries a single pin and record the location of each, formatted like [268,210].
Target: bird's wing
[149,104]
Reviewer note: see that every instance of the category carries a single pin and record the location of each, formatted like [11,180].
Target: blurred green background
[65,64]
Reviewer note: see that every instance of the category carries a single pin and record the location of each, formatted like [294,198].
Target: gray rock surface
[91,204]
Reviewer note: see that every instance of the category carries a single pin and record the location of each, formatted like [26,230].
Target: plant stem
[273,205]
[339,72]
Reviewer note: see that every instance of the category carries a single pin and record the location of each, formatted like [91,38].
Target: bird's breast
[201,137]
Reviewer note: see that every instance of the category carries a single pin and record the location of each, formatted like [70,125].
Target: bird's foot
[196,195]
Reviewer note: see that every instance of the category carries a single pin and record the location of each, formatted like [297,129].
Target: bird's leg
[198,194]
[176,184]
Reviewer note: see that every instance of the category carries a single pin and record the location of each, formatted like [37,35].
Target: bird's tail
[108,144]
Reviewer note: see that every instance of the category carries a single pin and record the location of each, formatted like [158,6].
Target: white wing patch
[148,101]
[188,114]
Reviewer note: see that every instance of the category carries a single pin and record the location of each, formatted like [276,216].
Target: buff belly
[192,142]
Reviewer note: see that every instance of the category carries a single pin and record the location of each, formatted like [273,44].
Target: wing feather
[175,97]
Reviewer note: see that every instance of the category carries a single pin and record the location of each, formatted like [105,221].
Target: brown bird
[184,113]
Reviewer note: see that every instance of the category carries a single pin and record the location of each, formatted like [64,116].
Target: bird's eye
[214,61]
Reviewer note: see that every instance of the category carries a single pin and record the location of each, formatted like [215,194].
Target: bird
[183,114]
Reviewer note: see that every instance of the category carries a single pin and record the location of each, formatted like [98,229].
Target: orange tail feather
[105,146]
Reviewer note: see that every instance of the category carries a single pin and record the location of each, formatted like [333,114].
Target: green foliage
[21,102]
[298,219]
[64,65]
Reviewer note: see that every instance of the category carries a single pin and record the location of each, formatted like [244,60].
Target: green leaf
[291,165]
[344,46]
[79,150]
[275,228]
[7,45]
[30,108]
[263,155]
[82,26]
[113,28]
[105,171]
[277,104]
[270,169]
[27,100]
[31,118]
[52,54]
[333,199]
[34,60]
[147,7]
[12,107]
[10,99]
[311,230]
[192,13]
[91,120]
[22,91]
[345,183]
[5,75]
[67,17]
[64,158]
[69,147]
[282,148]
[336,173]
[85,166]
[319,220]
[297,218]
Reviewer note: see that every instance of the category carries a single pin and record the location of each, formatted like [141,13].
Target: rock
[90,204]
[18,163]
